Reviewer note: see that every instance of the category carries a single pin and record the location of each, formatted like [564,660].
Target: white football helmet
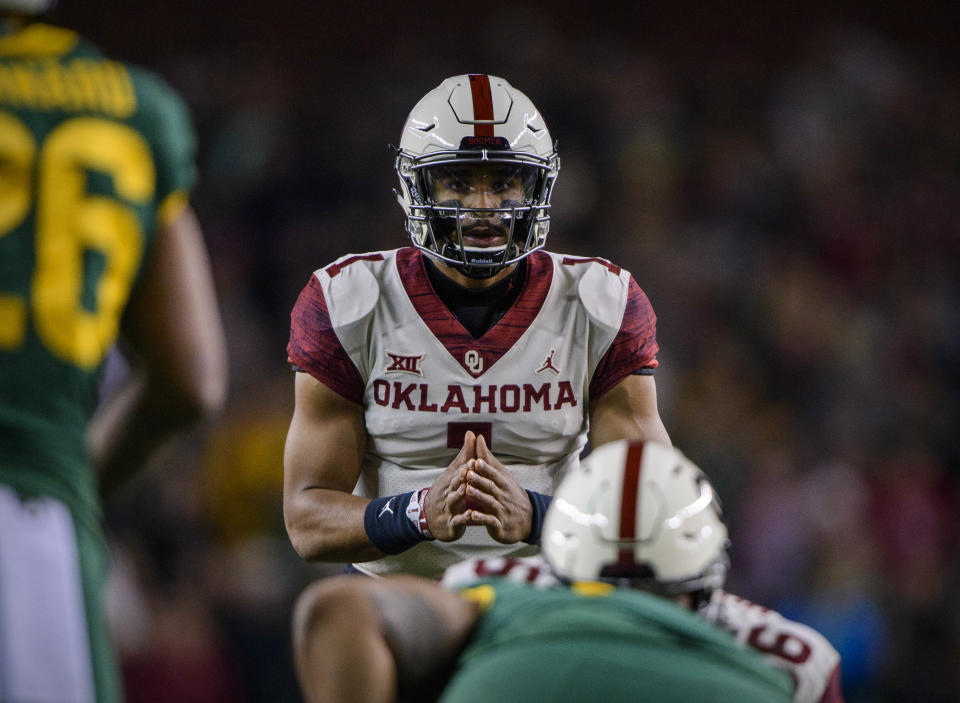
[475,120]
[638,514]
[27,7]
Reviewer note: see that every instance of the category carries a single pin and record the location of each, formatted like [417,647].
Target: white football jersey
[807,655]
[423,381]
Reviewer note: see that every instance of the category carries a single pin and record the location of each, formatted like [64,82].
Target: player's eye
[453,181]
[456,184]
[506,179]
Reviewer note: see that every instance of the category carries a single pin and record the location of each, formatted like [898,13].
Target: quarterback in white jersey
[444,389]
[423,381]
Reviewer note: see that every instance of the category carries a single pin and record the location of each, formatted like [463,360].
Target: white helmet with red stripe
[638,514]
[28,7]
[476,121]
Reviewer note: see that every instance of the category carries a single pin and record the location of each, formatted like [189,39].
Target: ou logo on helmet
[473,361]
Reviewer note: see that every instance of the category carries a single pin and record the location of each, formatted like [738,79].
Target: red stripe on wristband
[422,524]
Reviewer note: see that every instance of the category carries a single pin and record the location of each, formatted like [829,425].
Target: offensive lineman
[96,237]
[443,390]
[633,546]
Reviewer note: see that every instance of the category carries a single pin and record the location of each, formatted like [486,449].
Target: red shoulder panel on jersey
[635,346]
[315,347]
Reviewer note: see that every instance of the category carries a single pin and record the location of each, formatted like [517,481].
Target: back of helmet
[27,7]
[638,514]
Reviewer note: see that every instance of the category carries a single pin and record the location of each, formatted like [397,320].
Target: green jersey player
[633,552]
[97,241]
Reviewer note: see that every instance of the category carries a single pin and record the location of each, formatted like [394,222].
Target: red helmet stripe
[482,104]
[629,498]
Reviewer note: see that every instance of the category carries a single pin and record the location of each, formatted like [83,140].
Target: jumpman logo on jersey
[547,365]
[385,509]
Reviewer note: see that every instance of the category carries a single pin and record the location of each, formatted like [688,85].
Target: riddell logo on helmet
[489,142]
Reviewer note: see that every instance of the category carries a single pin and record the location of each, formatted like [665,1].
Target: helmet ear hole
[27,7]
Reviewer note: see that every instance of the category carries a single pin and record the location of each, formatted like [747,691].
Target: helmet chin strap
[474,264]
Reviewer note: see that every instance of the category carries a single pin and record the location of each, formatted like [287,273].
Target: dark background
[781,179]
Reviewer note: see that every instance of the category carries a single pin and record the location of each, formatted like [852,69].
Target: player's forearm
[327,525]
[138,421]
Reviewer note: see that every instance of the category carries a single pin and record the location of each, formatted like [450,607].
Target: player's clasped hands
[446,501]
[477,489]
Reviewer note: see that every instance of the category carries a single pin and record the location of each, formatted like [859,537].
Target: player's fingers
[491,522]
[453,500]
[483,451]
[469,448]
[478,500]
[446,482]
[460,520]
[466,468]
[500,478]
[453,496]
[458,480]
[485,485]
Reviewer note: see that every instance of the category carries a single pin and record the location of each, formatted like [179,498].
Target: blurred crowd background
[783,182]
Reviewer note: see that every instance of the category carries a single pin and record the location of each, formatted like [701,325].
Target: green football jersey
[95,155]
[592,642]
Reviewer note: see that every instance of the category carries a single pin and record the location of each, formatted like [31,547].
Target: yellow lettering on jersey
[592,589]
[13,321]
[17,151]
[482,595]
[80,85]
[39,39]
[69,221]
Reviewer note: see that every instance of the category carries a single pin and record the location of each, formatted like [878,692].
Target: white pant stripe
[44,642]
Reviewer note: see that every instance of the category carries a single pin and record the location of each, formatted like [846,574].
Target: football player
[96,238]
[444,389]
[624,603]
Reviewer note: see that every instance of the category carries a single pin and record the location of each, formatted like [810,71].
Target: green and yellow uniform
[95,156]
[592,642]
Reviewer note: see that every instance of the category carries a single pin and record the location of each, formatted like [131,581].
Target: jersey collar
[500,338]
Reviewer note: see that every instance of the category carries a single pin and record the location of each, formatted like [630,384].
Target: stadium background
[781,179]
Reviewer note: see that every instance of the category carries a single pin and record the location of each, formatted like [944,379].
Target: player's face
[481,186]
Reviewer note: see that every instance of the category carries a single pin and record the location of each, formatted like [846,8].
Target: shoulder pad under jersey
[351,287]
[603,293]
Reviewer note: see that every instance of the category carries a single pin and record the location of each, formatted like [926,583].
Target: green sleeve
[165,121]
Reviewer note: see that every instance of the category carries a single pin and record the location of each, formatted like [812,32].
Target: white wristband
[416,514]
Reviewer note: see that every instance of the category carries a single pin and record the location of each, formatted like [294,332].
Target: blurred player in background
[96,237]
[623,604]
[444,389]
